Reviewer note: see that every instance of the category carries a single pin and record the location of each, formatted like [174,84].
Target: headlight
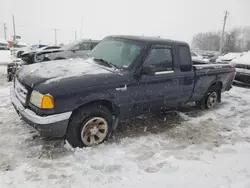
[42,101]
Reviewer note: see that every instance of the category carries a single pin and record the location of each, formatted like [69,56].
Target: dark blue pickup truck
[125,76]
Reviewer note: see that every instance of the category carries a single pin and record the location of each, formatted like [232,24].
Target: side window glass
[85,46]
[93,45]
[185,59]
[160,59]
[76,48]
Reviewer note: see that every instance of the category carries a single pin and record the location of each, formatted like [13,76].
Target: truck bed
[210,73]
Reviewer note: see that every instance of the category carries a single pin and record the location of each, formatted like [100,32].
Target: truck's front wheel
[89,126]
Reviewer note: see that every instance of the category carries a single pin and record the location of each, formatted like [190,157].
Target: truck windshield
[120,53]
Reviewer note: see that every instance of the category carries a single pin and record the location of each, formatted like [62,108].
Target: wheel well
[108,104]
[218,83]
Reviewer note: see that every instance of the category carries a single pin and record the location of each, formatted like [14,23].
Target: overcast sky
[175,19]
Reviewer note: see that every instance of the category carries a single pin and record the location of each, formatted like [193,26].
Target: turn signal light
[47,102]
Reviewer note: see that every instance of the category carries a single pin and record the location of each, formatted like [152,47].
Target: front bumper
[53,126]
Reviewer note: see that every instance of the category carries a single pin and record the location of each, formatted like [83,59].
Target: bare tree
[235,40]
[206,41]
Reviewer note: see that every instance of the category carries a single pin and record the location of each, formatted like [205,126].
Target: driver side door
[161,89]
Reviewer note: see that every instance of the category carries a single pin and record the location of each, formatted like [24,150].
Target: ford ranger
[83,100]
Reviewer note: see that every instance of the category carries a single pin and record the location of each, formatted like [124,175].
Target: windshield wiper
[105,62]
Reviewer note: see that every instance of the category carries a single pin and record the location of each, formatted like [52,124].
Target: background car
[79,48]
[196,56]
[18,50]
[242,65]
[29,56]
[4,45]
[227,57]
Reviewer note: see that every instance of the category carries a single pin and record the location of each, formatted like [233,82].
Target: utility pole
[55,36]
[81,28]
[5,29]
[75,35]
[223,31]
[14,29]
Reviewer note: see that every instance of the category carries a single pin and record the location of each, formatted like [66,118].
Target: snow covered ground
[190,148]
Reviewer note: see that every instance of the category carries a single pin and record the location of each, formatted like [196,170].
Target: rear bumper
[53,126]
[239,83]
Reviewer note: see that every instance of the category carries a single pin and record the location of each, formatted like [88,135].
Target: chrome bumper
[51,126]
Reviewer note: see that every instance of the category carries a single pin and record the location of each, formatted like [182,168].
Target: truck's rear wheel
[89,126]
[211,98]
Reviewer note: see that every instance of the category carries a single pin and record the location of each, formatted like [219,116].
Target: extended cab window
[185,59]
[160,58]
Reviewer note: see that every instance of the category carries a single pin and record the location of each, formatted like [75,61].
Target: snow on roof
[245,59]
[230,56]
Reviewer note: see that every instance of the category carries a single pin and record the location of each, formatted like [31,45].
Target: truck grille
[21,91]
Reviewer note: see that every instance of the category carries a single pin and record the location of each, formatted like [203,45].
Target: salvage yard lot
[190,148]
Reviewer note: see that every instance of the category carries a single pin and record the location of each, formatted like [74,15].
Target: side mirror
[148,70]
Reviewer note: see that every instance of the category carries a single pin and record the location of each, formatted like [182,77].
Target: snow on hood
[245,59]
[56,70]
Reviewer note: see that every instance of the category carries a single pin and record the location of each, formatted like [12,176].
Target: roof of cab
[148,39]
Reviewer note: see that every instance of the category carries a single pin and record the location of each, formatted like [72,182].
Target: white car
[195,56]
[242,65]
[228,57]
[4,45]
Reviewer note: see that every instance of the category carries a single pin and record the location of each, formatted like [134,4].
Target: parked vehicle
[126,76]
[196,56]
[13,67]
[4,45]
[29,56]
[36,54]
[18,51]
[227,57]
[76,49]
[242,65]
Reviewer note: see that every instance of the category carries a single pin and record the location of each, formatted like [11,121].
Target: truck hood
[60,71]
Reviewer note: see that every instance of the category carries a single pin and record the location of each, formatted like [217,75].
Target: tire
[85,128]
[9,78]
[211,98]
[59,58]
[19,54]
